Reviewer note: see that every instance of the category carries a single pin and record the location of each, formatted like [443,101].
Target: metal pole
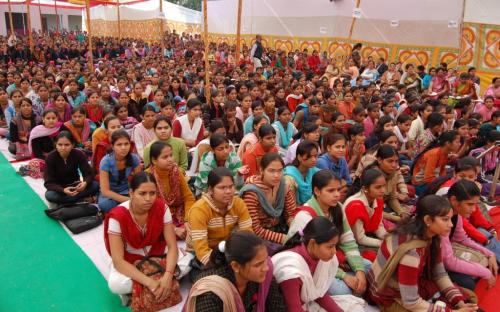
[353,22]
[30,37]
[57,16]
[205,39]
[89,36]
[119,23]
[40,14]
[238,33]
[10,20]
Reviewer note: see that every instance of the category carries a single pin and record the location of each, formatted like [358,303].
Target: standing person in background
[256,52]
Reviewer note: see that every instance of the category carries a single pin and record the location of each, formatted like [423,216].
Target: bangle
[167,271]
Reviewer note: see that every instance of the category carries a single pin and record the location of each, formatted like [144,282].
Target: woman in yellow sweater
[171,184]
[214,217]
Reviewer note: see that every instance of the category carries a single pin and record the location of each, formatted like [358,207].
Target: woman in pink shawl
[41,143]
[81,129]
[61,106]
[439,85]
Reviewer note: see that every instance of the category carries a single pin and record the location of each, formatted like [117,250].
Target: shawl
[221,287]
[289,265]
[131,233]
[22,129]
[80,137]
[251,139]
[95,116]
[42,131]
[67,111]
[173,196]
[304,189]
[285,135]
[267,196]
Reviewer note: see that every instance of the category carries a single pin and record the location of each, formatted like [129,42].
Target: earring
[428,224]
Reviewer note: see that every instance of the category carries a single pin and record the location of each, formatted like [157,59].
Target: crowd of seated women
[299,185]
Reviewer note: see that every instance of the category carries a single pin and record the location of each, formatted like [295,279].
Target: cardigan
[429,166]
[455,264]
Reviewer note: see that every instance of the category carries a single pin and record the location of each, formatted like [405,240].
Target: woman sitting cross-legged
[325,202]
[41,140]
[115,171]
[171,183]
[80,128]
[409,270]
[242,281]
[137,228]
[102,148]
[62,173]
[214,217]
[364,212]
[270,201]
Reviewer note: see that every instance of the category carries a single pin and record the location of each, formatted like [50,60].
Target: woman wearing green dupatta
[325,202]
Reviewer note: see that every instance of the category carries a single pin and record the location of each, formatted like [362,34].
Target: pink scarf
[42,131]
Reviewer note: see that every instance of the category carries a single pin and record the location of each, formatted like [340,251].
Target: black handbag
[72,211]
[82,224]
[78,218]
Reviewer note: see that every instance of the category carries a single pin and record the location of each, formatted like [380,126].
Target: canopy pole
[119,22]
[161,26]
[30,36]
[205,39]
[89,37]
[238,34]
[57,16]
[353,22]
[10,20]
[40,14]
[459,56]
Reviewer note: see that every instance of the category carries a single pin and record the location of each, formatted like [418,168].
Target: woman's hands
[161,288]
[357,283]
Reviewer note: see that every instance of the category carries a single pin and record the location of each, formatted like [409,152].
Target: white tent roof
[147,10]
[422,22]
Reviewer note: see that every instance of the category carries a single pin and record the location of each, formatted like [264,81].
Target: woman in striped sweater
[214,217]
[269,200]
[409,270]
[325,202]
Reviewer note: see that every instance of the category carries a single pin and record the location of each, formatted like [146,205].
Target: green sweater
[179,151]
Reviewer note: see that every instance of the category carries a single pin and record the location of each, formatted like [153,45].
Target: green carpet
[42,268]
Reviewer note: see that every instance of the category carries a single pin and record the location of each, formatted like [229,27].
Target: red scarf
[131,233]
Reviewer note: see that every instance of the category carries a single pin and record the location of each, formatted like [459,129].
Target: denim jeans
[339,287]
[63,199]
[493,245]
[106,204]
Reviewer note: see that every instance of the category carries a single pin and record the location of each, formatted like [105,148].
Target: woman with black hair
[62,173]
[299,173]
[266,144]
[364,212]
[433,128]
[311,132]
[115,170]
[214,217]
[138,228]
[307,266]
[171,183]
[464,196]
[242,281]
[220,155]
[269,200]
[409,270]
[325,202]
[431,162]
[385,123]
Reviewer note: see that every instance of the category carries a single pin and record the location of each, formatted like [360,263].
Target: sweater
[456,264]
[179,151]
[339,167]
[207,226]
[60,173]
[261,221]
[429,166]
[253,156]
[409,282]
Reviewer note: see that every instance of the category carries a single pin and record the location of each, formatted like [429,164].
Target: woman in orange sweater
[431,163]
